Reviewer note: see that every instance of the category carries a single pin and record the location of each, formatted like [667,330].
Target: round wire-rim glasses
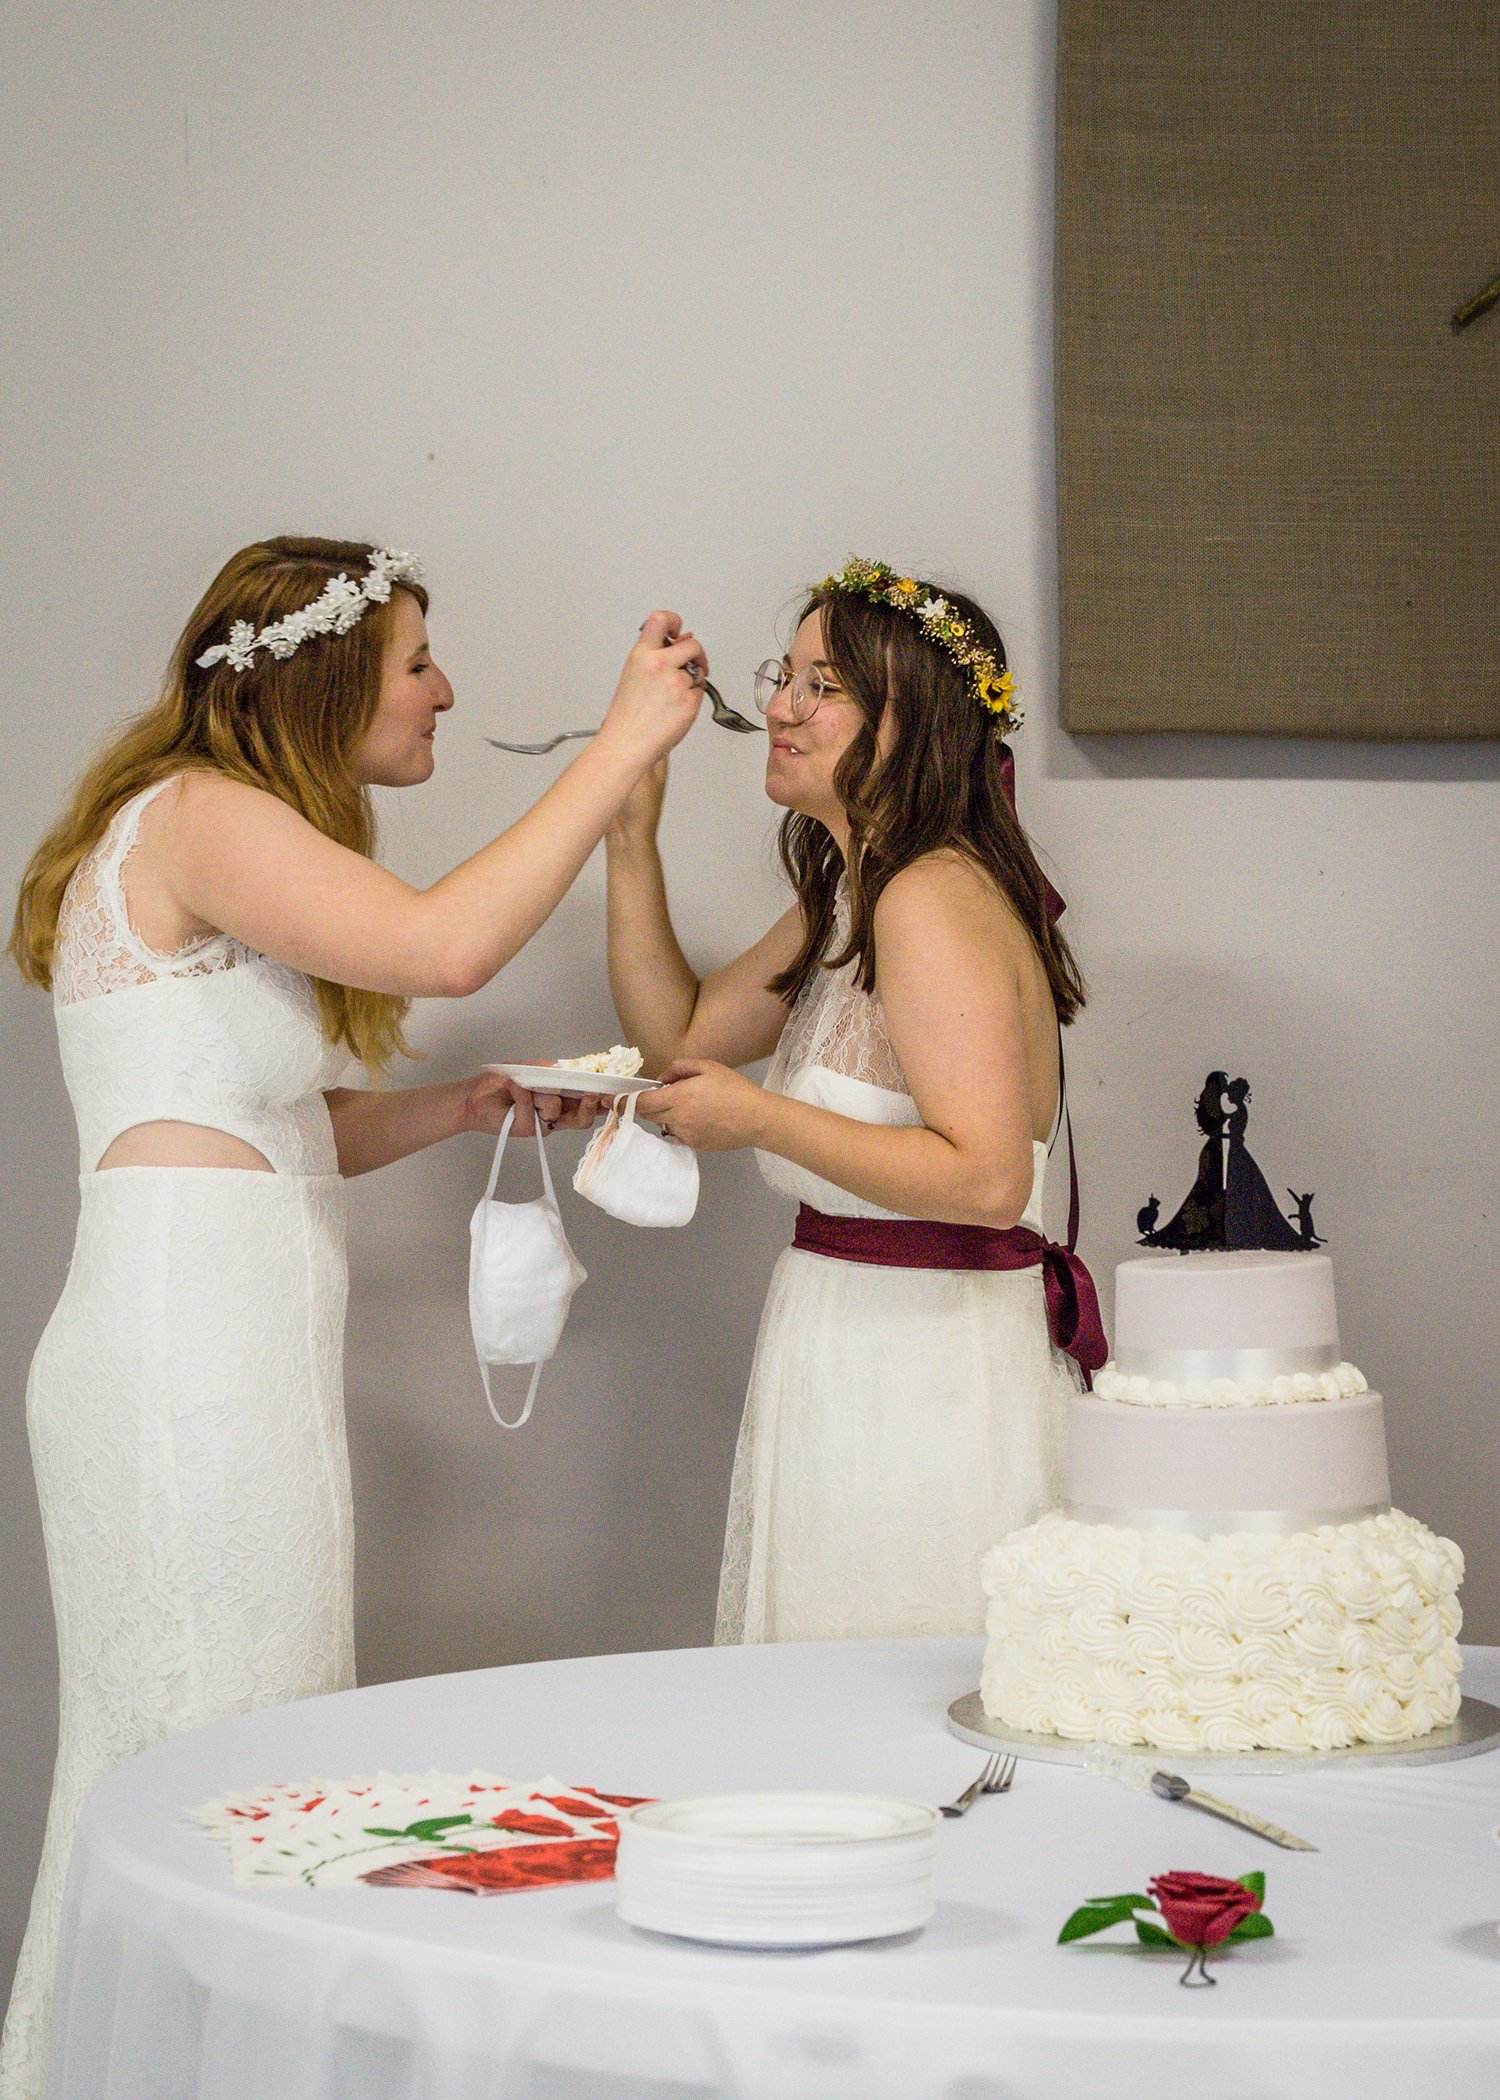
[804,693]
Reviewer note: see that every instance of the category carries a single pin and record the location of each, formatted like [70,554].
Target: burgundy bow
[1073,1317]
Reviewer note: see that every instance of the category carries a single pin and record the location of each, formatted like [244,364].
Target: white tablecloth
[1383,1981]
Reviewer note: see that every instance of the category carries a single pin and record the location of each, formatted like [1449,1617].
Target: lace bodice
[835,1053]
[214,1034]
[838,1027]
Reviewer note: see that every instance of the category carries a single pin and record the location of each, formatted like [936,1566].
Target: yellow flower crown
[992,685]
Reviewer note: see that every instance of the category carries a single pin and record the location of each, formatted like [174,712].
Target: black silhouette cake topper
[1230,1205]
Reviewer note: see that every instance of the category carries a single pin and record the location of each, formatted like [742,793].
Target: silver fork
[996,1778]
[726,717]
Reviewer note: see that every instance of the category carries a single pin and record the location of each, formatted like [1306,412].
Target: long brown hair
[288,726]
[941,785]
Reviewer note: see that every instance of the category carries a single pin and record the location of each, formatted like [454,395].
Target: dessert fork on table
[726,717]
[998,1773]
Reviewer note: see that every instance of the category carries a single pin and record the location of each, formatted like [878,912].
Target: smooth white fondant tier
[1341,1383]
[1240,1642]
[1250,1317]
[1233,1469]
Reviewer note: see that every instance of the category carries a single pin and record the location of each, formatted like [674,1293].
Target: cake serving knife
[1169,1786]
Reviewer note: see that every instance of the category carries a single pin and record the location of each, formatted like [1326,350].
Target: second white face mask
[636,1175]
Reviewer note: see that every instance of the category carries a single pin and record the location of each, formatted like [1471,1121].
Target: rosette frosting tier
[1243,1641]
[1226,1572]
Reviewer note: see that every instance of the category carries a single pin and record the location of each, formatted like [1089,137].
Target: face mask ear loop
[525,1415]
[499,1155]
[541,1153]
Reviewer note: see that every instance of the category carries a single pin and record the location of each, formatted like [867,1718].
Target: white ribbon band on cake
[1209,1523]
[1243,1366]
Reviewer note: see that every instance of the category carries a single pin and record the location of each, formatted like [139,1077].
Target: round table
[1383,1978]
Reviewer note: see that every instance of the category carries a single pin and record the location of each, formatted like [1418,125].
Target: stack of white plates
[778,1870]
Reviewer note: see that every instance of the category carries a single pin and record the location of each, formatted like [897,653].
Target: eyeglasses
[803,694]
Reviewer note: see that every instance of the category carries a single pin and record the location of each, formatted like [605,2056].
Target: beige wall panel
[1279,466]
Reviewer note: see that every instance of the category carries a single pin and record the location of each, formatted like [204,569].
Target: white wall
[604,305]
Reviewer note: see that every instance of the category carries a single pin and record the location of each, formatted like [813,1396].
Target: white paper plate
[549,1079]
[778,1870]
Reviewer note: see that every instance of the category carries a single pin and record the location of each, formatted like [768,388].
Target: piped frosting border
[1131,1390]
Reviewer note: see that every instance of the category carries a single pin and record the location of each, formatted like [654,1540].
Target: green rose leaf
[1151,1935]
[426,1832]
[1255,1883]
[1099,1913]
[1256,1927]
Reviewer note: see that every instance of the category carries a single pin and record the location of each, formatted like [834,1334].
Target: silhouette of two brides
[1230,1203]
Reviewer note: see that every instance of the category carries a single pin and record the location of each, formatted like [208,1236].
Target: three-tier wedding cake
[1226,1572]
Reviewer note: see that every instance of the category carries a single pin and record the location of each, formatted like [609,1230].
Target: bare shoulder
[946,893]
[202,804]
[212,827]
[205,792]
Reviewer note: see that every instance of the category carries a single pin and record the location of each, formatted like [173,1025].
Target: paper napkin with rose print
[476,1834]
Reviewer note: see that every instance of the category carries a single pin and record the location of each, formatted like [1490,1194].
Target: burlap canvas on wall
[1279,466]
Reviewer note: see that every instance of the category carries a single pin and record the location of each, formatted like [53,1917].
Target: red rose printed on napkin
[1202,1910]
[506,1867]
[527,1825]
[565,1854]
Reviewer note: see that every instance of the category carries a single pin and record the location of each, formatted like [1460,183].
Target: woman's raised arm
[954,962]
[241,861]
[664,1006]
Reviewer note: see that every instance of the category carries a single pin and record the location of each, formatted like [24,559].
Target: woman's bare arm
[372,1127]
[664,1007]
[237,859]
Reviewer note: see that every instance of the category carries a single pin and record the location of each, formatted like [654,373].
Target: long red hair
[288,726]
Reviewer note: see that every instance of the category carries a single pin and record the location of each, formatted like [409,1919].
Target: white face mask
[522,1275]
[636,1175]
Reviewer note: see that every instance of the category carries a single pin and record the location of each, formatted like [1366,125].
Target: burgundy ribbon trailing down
[1055,904]
[1073,1319]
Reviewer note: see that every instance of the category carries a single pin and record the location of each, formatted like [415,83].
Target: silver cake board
[1476,1730]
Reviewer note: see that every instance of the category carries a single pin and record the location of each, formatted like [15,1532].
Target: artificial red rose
[1201,1910]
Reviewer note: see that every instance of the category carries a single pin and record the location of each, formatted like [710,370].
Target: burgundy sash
[1073,1318]
[925,1243]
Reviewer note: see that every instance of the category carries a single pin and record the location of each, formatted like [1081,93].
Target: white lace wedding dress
[185,1404]
[899,1421]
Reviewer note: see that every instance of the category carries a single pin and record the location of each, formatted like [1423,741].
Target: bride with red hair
[221,946]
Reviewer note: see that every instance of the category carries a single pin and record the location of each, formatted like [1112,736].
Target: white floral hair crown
[337,608]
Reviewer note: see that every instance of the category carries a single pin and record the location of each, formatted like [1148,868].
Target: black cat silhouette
[1306,1231]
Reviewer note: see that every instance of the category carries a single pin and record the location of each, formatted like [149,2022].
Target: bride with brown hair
[220,946]
[907,1393]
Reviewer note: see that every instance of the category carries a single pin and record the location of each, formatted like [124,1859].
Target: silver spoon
[723,714]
